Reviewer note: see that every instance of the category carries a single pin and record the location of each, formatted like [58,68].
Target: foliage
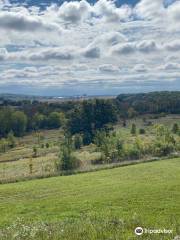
[78,141]
[91,116]
[133,129]
[165,142]
[67,160]
[54,120]
[142,131]
[19,123]
[35,151]
[175,128]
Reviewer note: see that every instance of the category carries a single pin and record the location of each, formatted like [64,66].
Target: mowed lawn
[147,191]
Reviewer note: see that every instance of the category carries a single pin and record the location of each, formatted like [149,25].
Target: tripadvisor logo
[138,231]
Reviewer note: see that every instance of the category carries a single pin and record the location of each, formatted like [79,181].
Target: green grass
[148,191]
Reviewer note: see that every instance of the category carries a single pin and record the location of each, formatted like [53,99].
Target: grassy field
[14,163]
[146,194]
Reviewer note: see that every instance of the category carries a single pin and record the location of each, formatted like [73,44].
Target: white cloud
[108,68]
[74,12]
[90,44]
[141,68]
[109,11]
[21,22]
[173,14]
[149,9]
[92,52]
[173,46]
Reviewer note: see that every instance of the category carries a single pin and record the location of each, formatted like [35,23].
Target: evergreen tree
[133,129]
[175,128]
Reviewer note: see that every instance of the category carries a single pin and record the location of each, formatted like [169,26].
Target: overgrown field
[37,154]
[107,204]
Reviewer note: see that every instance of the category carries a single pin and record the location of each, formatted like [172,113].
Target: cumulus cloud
[173,12]
[21,22]
[124,49]
[145,47]
[74,12]
[150,9]
[110,12]
[89,44]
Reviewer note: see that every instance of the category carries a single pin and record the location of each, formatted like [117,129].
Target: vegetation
[80,206]
[83,117]
[41,139]
[53,151]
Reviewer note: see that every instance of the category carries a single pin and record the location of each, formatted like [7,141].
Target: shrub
[67,160]
[163,148]
[142,131]
[131,152]
[11,140]
[78,141]
[119,147]
[35,151]
[175,128]
[3,145]
[101,160]
[133,129]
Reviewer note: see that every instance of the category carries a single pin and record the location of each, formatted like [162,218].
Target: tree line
[82,117]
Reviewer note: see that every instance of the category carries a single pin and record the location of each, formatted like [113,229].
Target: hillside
[145,194]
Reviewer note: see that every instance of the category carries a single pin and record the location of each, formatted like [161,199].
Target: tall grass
[86,227]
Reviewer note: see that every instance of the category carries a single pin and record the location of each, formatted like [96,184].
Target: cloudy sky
[89,47]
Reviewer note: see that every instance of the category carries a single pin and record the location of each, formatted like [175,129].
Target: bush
[101,160]
[4,145]
[78,141]
[47,145]
[142,131]
[35,151]
[131,152]
[133,129]
[67,160]
[163,148]
[175,128]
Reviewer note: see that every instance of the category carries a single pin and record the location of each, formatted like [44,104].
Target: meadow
[107,204]
[51,186]
[19,163]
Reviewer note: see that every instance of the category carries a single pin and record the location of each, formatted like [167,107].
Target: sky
[59,48]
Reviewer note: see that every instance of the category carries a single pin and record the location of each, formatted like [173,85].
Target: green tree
[175,128]
[3,145]
[67,160]
[19,123]
[132,113]
[35,151]
[54,120]
[133,129]
[119,147]
[38,121]
[11,140]
[78,141]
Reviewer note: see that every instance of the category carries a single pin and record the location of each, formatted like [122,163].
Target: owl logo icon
[138,231]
